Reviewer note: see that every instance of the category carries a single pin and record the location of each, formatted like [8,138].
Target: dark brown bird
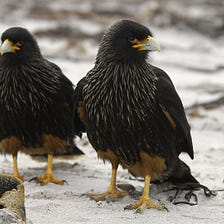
[132,112]
[36,102]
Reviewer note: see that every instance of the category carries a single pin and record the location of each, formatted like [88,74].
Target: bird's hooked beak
[9,47]
[148,44]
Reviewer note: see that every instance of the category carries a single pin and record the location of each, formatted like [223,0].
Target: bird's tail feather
[182,174]
[182,178]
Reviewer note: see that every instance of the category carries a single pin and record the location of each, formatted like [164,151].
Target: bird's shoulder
[65,83]
[56,70]
[171,105]
[166,93]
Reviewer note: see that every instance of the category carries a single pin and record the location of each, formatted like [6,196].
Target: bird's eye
[148,38]
[20,43]
[17,45]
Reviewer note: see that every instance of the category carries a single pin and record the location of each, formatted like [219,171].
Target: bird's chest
[118,103]
[22,93]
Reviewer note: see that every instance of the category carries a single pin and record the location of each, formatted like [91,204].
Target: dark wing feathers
[78,99]
[171,104]
[73,98]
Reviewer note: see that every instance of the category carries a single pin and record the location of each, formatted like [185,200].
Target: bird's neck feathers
[127,71]
[110,80]
[19,60]
[120,90]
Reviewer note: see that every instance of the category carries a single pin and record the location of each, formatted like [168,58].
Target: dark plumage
[36,102]
[132,112]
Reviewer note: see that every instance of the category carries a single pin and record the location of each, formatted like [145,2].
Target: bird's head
[128,41]
[18,42]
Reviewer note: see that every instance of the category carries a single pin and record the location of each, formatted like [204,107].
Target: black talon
[128,207]
[107,199]
[32,179]
[65,181]
[166,209]
[35,180]
[83,195]
[138,211]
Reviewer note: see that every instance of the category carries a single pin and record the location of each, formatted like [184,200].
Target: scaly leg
[15,167]
[112,194]
[144,201]
[48,177]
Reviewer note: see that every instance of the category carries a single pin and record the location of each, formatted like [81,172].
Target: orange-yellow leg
[144,201]
[48,177]
[15,167]
[112,194]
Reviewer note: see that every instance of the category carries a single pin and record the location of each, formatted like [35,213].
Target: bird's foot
[142,204]
[110,195]
[43,180]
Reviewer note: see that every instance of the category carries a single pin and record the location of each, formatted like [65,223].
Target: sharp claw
[83,195]
[107,199]
[42,182]
[166,209]
[139,210]
[33,179]
[65,182]
[142,204]
[128,207]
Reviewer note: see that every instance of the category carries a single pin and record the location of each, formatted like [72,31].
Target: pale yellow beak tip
[6,47]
